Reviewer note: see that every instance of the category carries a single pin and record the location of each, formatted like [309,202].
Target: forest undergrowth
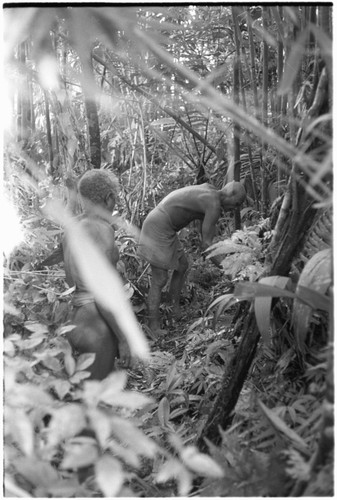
[263,452]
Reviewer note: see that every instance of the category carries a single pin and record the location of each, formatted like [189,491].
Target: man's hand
[124,354]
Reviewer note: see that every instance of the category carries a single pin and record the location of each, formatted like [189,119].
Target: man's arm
[208,232]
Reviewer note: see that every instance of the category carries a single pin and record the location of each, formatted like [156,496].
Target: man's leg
[176,285]
[158,281]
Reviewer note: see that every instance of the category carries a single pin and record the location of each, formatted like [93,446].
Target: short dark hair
[95,185]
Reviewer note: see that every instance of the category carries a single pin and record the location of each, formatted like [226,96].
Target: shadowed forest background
[237,399]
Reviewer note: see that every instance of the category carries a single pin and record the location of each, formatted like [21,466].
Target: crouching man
[160,245]
[96,330]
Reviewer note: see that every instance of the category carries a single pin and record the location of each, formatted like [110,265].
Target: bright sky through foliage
[7,108]
[11,227]
[48,73]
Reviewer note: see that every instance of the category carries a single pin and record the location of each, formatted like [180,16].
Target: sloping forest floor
[183,376]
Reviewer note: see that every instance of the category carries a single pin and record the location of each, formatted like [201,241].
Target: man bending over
[96,329]
[159,243]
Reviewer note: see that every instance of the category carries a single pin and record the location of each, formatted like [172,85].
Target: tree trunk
[49,137]
[93,131]
[23,103]
[94,135]
[296,216]
[236,127]
[252,65]
[232,382]
[279,107]
[264,111]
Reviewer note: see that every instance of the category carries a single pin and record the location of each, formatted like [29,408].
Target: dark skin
[96,328]
[202,202]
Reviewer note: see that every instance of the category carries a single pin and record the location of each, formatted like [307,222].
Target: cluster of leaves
[244,252]
[58,424]
[87,437]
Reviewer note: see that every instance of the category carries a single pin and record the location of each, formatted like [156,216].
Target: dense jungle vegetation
[237,399]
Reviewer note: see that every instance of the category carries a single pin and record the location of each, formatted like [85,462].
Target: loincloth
[159,243]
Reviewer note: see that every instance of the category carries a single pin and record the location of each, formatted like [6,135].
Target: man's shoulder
[200,199]
[194,191]
[95,225]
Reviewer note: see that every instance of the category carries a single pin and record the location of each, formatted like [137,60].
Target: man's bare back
[191,203]
[159,243]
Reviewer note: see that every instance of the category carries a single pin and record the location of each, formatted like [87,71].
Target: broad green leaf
[79,452]
[66,422]
[109,475]
[315,300]
[101,424]
[112,392]
[180,411]
[293,63]
[127,399]
[113,384]
[52,363]
[171,376]
[30,343]
[262,305]
[201,463]
[69,363]
[8,347]
[174,469]
[128,434]
[126,454]
[68,292]
[198,322]
[226,303]
[315,280]
[164,411]
[12,490]
[36,327]
[19,425]
[280,426]
[84,361]
[37,472]
[246,290]
[79,376]
[224,247]
[65,329]
[26,395]
[61,387]
[64,488]
[223,298]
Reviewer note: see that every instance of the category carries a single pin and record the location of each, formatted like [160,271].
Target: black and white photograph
[167,213]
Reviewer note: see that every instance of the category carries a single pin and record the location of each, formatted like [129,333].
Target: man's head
[99,187]
[233,195]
